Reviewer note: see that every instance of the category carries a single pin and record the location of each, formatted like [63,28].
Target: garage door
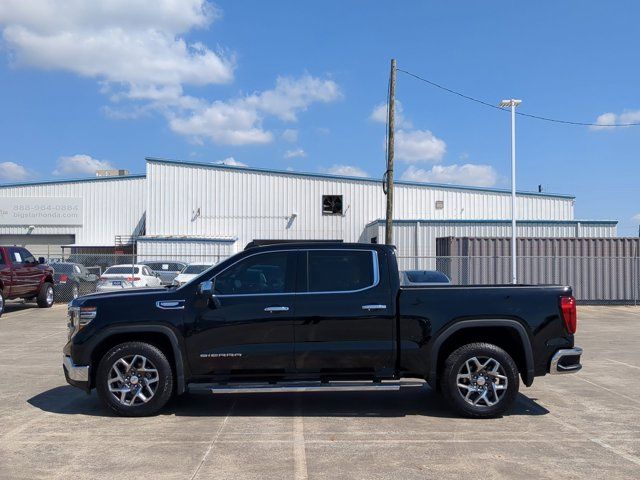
[39,245]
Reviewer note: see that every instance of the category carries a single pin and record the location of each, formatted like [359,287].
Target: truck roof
[318,245]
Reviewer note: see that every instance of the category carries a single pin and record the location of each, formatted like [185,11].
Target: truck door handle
[276,309]
[374,307]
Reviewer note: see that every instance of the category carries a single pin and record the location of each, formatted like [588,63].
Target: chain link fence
[595,280]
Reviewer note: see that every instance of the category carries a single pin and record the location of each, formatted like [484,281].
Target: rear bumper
[566,360]
[76,375]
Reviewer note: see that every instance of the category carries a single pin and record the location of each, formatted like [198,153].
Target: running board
[338,386]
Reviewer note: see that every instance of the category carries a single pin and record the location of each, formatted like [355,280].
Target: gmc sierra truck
[22,276]
[314,317]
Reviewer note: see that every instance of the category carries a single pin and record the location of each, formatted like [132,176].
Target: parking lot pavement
[572,426]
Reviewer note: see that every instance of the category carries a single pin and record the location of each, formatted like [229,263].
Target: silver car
[166,270]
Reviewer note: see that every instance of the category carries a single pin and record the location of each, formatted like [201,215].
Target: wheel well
[156,339]
[48,279]
[506,338]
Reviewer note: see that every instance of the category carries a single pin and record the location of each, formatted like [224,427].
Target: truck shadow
[66,400]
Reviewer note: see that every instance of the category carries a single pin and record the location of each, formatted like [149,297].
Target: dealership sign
[40,211]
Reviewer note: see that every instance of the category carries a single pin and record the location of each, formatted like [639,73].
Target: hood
[131,292]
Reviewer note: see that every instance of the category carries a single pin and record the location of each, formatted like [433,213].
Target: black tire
[480,382]
[2,304]
[157,400]
[46,295]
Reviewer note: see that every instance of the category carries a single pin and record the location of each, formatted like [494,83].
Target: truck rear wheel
[45,296]
[134,379]
[480,380]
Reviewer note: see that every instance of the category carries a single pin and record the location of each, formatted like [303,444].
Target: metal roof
[73,180]
[507,221]
[350,178]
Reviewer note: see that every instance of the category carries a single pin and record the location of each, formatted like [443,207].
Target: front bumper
[566,360]
[76,375]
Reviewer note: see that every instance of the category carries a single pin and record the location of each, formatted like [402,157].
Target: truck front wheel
[480,380]
[134,379]
[45,296]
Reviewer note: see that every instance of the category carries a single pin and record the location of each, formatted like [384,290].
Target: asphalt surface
[571,426]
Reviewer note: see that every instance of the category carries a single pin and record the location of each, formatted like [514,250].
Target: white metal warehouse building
[186,209]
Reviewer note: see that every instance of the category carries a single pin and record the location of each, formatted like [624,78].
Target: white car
[190,272]
[118,277]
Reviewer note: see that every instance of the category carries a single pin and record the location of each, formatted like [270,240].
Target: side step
[337,386]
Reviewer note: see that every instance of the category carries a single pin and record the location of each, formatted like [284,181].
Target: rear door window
[340,270]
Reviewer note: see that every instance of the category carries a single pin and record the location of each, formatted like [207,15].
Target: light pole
[513,103]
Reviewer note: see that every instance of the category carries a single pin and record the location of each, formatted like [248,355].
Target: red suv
[22,276]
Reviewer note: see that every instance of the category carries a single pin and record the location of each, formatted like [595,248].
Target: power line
[537,117]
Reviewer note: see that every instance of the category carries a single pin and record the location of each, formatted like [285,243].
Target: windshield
[427,277]
[121,270]
[195,268]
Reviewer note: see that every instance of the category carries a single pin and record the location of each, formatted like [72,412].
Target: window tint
[27,257]
[258,274]
[15,255]
[121,270]
[427,276]
[339,270]
[195,268]
[63,267]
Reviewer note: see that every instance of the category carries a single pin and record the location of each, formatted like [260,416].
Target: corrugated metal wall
[208,200]
[110,206]
[190,251]
[599,269]
[418,238]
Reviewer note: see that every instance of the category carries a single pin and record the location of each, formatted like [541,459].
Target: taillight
[63,278]
[569,313]
[133,279]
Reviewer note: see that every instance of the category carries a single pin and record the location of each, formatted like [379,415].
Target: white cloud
[380,113]
[239,121]
[292,95]
[133,46]
[636,217]
[297,153]
[80,164]
[141,54]
[345,170]
[610,118]
[411,145]
[290,135]
[418,146]
[231,162]
[223,123]
[12,171]
[467,174]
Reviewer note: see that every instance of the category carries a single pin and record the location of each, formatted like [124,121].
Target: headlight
[79,317]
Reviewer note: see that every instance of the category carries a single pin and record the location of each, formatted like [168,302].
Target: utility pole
[388,237]
[513,103]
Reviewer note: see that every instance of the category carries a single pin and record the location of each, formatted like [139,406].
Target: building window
[374,239]
[439,204]
[332,204]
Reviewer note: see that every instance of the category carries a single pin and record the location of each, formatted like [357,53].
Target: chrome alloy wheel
[133,380]
[482,381]
[49,295]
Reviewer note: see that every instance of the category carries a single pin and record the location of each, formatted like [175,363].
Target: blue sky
[296,85]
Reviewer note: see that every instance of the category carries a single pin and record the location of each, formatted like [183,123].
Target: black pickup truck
[305,317]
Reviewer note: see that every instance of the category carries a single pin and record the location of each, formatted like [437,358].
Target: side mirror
[205,289]
[42,260]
